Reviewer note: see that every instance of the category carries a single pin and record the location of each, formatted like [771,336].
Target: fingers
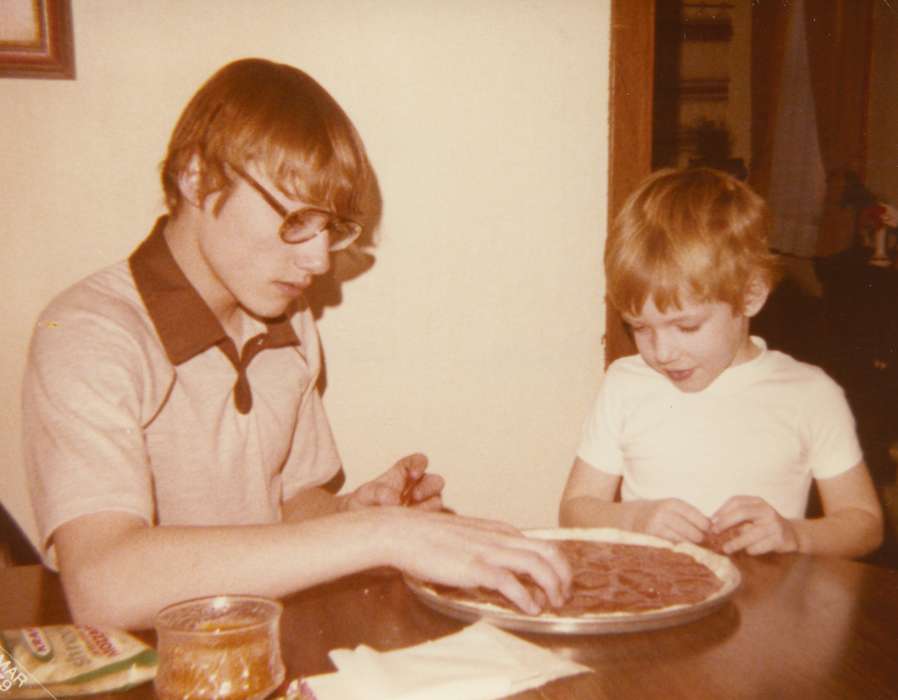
[412,466]
[554,574]
[754,540]
[416,487]
[407,470]
[374,493]
[770,543]
[424,492]
[696,521]
[761,528]
[677,521]
[735,510]
[474,553]
[502,569]
[406,483]
[510,586]
[691,526]
[742,509]
[406,496]
[431,505]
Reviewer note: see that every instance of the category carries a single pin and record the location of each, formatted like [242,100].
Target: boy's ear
[189,181]
[755,296]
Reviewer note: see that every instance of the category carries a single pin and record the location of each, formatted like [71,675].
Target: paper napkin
[480,662]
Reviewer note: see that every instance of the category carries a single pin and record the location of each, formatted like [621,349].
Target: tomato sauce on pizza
[614,577]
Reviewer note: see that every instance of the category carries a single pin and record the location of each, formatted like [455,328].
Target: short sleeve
[83,442]
[600,442]
[314,458]
[831,436]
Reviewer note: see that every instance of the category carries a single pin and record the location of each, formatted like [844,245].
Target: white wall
[476,337]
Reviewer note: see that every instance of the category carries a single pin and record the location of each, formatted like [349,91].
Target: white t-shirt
[766,427]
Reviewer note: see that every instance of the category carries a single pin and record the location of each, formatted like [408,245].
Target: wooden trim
[630,125]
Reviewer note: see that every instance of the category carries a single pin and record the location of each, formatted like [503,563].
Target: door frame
[629,126]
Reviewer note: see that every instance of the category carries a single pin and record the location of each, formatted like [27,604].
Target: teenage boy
[706,434]
[176,442]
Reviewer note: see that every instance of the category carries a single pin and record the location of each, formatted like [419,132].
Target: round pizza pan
[603,623]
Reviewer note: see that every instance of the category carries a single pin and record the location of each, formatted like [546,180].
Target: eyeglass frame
[354,227]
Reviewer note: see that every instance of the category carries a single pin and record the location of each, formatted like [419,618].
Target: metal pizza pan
[607,623]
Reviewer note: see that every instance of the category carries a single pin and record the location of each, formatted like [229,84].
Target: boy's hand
[470,552]
[405,483]
[674,520]
[761,528]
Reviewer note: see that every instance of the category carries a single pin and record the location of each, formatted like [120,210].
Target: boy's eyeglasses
[304,224]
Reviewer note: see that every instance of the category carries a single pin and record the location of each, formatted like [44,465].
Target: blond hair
[280,119]
[696,233]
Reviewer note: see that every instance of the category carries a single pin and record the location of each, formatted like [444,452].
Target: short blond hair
[279,118]
[696,233]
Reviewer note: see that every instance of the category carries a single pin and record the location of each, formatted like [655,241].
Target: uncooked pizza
[618,577]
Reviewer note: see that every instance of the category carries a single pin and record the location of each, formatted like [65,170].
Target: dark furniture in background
[852,333]
[15,549]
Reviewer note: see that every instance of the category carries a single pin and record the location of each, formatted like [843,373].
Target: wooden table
[799,627]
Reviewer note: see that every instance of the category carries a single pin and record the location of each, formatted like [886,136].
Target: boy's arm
[119,571]
[589,501]
[851,525]
[588,498]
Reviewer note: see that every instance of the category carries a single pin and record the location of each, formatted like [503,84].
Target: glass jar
[225,647]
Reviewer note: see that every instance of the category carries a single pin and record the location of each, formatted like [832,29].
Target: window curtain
[837,35]
[797,175]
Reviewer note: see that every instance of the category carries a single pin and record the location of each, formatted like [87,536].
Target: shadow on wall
[355,260]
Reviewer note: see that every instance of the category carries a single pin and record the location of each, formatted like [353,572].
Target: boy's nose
[665,348]
[314,255]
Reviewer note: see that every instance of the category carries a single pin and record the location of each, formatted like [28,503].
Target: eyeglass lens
[305,224]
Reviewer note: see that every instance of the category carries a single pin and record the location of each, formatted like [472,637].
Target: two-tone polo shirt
[136,400]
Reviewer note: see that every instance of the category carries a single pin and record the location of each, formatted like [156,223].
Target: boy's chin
[691,384]
[690,389]
[270,312]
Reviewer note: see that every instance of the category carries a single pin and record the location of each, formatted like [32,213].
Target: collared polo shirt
[136,400]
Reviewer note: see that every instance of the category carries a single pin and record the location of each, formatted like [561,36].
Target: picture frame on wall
[36,39]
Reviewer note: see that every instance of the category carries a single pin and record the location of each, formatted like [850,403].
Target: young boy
[706,434]
[176,442]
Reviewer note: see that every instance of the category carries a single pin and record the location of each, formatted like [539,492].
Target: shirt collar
[184,322]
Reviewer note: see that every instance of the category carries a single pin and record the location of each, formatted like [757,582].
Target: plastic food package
[71,660]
